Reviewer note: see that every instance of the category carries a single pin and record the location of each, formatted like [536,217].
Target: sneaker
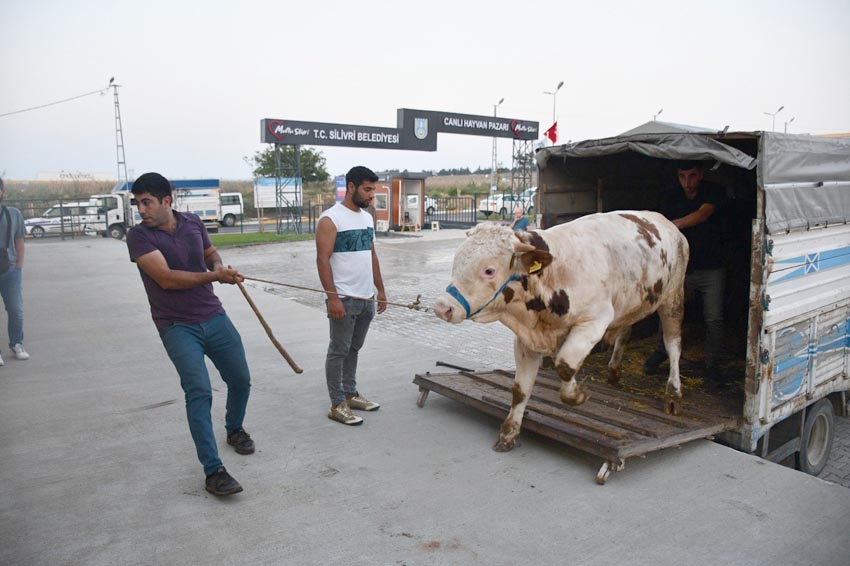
[1,361]
[241,441]
[361,403]
[654,361]
[221,483]
[343,414]
[20,353]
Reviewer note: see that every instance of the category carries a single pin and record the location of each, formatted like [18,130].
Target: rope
[415,305]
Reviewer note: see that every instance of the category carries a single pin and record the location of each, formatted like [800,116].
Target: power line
[99,91]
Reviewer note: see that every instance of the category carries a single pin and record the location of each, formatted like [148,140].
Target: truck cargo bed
[616,423]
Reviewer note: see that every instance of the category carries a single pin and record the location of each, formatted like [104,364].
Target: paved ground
[97,466]
[421,265]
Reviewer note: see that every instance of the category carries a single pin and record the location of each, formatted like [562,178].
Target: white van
[232,208]
[64,218]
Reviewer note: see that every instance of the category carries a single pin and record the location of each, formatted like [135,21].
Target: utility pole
[119,139]
[493,175]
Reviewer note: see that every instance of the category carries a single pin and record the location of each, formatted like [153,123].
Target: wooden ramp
[613,424]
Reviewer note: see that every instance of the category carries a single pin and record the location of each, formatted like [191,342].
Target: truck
[787,301]
[232,208]
[116,213]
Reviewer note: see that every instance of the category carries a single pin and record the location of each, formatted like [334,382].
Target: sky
[197,77]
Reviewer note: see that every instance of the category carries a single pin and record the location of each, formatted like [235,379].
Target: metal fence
[62,218]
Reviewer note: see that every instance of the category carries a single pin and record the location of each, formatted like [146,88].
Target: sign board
[339,183]
[415,130]
[265,192]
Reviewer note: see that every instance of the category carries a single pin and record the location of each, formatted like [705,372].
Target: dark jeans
[347,337]
[187,344]
[710,284]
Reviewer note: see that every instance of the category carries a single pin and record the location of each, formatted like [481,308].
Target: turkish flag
[552,133]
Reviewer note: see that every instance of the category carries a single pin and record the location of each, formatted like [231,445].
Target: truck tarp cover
[806,178]
[662,146]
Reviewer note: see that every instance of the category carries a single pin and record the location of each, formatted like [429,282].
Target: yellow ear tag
[536,266]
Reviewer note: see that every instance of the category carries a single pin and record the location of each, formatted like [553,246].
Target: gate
[452,212]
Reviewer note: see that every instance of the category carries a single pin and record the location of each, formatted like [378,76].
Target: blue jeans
[218,339]
[347,337]
[711,285]
[13,297]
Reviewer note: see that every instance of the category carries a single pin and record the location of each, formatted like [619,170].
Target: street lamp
[788,122]
[657,114]
[773,115]
[493,167]
[554,98]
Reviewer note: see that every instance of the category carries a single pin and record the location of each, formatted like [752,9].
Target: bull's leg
[617,355]
[527,365]
[671,322]
[575,349]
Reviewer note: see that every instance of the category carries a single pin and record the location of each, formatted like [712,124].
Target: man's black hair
[358,175]
[154,184]
[688,164]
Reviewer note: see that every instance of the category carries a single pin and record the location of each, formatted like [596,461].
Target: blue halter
[452,290]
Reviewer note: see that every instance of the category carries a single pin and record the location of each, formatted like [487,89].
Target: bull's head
[486,263]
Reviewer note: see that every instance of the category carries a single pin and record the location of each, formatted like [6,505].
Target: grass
[236,240]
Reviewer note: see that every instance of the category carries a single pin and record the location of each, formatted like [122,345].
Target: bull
[564,289]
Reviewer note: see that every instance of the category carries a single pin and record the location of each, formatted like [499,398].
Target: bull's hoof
[672,404]
[580,397]
[503,445]
[614,377]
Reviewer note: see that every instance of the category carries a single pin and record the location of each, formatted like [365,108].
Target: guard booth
[399,201]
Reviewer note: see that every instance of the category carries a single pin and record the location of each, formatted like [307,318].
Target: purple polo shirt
[184,251]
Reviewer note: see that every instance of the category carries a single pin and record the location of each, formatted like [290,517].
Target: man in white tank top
[350,274]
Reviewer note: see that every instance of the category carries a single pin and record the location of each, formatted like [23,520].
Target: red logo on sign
[514,124]
[274,126]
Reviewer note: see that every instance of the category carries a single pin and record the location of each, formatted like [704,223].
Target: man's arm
[325,239]
[154,264]
[698,216]
[19,251]
[379,282]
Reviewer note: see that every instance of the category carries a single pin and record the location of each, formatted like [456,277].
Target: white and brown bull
[564,289]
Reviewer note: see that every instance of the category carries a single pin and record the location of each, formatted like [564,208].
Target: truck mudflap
[616,423]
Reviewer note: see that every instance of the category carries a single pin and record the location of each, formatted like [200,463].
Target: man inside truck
[693,207]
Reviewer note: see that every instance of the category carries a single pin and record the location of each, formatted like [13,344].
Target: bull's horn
[520,247]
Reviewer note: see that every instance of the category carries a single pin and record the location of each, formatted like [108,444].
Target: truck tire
[816,441]
[228,220]
[37,232]
[116,231]
[504,213]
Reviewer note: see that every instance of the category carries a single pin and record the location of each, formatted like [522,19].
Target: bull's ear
[533,261]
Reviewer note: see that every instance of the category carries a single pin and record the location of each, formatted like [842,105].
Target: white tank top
[351,261]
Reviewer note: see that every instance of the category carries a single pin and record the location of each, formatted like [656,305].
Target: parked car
[67,217]
[430,205]
[527,196]
[502,204]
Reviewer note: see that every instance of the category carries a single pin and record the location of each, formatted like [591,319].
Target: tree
[312,163]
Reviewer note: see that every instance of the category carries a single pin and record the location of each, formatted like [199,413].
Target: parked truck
[787,301]
[116,213]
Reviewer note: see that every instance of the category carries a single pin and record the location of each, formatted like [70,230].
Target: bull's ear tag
[536,266]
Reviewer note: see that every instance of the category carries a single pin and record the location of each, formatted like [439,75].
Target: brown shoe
[361,403]
[342,413]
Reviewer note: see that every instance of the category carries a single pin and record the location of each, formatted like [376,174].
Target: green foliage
[236,240]
[312,162]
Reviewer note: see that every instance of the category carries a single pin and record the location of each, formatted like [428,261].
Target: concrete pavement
[97,465]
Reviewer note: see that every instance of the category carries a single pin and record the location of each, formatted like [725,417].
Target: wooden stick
[280,348]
